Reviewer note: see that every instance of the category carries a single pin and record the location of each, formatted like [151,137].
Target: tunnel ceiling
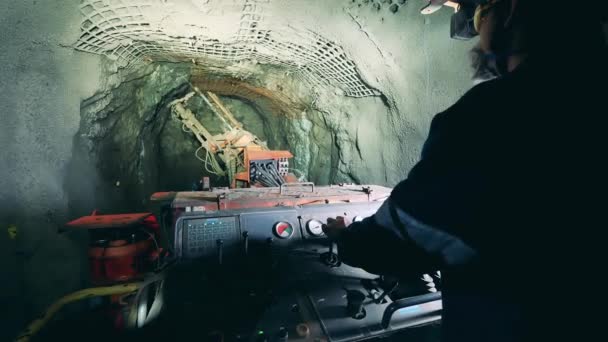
[225,36]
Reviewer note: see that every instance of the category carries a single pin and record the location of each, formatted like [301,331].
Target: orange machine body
[122,247]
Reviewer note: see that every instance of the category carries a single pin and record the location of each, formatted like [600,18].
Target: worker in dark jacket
[507,198]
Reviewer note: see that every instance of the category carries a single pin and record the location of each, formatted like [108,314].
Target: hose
[34,327]
[269,176]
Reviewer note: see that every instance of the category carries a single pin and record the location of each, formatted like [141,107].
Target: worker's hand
[335,227]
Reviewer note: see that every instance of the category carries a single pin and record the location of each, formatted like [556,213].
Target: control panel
[202,234]
[270,274]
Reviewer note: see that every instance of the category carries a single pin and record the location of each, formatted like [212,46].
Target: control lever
[330,258]
[220,250]
[389,287]
[283,334]
[354,304]
[246,242]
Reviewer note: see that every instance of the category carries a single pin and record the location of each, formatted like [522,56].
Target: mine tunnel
[172,169]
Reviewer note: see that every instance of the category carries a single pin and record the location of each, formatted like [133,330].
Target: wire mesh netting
[133,30]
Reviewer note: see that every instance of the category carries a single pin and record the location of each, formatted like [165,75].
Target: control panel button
[201,235]
[303,330]
[283,230]
[283,334]
[315,227]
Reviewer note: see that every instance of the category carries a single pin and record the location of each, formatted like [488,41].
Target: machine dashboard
[202,234]
[269,260]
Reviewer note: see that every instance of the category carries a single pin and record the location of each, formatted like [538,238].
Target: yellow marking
[12,232]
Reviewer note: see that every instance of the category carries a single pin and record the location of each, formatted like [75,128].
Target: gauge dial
[315,227]
[283,230]
[357,219]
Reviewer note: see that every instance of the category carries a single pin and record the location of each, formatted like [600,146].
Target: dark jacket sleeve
[418,228]
[378,245]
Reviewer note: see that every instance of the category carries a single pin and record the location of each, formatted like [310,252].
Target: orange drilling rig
[236,153]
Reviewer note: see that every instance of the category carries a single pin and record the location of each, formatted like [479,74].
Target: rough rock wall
[410,59]
[114,137]
[407,57]
[42,81]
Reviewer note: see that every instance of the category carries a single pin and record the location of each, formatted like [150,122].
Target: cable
[269,171]
[205,161]
[269,179]
[386,293]
[272,170]
[155,245]
[265,177]
[274,173]
[215,165]
[271,176]
[216,168]
[34,327]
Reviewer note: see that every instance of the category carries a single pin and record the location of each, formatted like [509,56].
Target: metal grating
[133,30]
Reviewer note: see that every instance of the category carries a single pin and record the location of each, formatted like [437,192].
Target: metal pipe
[407,302]
[230,128]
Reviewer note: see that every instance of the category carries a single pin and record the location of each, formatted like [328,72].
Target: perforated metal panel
[133,30]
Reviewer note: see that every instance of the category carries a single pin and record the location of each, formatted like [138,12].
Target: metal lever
[246,242]
[354,306]
[330,258]
[407,302]
[220,250]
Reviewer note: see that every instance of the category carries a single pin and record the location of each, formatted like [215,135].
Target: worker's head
[511,27]
[493,21]
[503,26]
[527,27]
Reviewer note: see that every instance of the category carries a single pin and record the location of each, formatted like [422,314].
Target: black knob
[283,334]
[354,304]
[330,258]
